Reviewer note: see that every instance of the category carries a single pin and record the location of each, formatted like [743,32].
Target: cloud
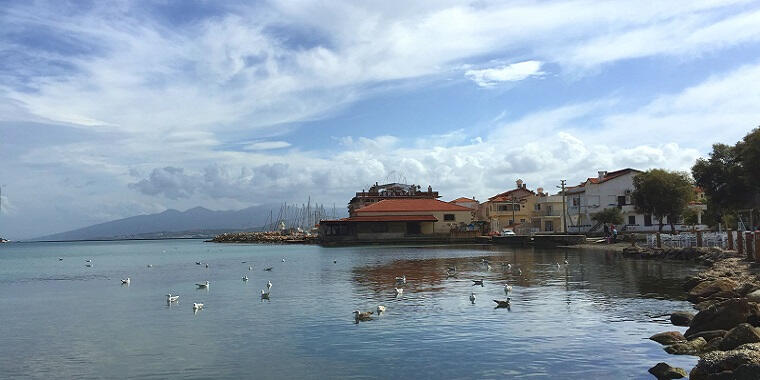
[509,73]
[266,145]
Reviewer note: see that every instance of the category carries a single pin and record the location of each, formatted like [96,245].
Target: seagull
[566,262]
[509,266]
[269,285]
[204,285]
[519,272]
[250,267]
[380,309]
[170,298]
[245,278]
[452,268]
[206,265]
[477,282]
[88,261]
[558,266]
[283,259]
[335,261]
[264,295]
[399,291]
[472,297]
[507,289]
[197,263]
[502,303]
[268,269]
[150,265]
[362,316]
[401,280]
[488,267]
[125,281]
[197,306]
[60,259]
[88,265]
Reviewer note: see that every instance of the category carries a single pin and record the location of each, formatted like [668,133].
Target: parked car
[507,232]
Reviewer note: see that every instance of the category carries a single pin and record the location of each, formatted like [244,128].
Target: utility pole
[514,221]
[564,206]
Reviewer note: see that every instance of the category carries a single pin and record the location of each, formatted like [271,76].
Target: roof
[463,199]
[404,205]
[607,177]
[387,218]
[507,194]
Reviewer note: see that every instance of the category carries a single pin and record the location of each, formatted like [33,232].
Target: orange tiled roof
[463,199]
[505,195]
[403,205]
[389,218]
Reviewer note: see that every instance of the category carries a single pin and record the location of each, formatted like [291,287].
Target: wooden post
[750,252]
[757,246]
[659,241]
[699,238]
[730,235]
[739,243]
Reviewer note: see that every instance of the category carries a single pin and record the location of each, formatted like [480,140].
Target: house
[548,215]
[377,193]
[607,190]
[511,209]
[471,203]
[398,220]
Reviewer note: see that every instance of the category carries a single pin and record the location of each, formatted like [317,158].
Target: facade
[548,216]
[606,190]
[471,203]
[377,193]
[398,219]
[511,209]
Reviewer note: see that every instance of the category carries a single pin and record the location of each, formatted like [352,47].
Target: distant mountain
[195,222]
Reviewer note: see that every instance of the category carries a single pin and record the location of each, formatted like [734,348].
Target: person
[606,230]
[614,235]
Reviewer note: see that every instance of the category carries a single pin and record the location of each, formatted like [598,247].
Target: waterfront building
[471,203]
[548,215]
[377,193]
[512,209]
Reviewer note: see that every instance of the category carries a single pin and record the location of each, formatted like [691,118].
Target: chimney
[519,183]
[602,174]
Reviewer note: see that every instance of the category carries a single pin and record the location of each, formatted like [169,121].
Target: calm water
[588,320]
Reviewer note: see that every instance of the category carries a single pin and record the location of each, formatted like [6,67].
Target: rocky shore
[722,330]
[265,237]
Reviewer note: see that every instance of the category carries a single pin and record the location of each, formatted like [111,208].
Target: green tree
[609,216]
[723,178]
[748,151]
[663,194]
[690,217]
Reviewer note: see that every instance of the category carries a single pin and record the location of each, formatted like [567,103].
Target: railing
[688,239]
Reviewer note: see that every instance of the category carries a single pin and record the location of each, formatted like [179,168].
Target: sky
[120,108]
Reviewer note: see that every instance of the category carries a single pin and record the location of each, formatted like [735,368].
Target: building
[548,215]
[399,220]
[377,193]
[512,209]
[606,190]
[471,203]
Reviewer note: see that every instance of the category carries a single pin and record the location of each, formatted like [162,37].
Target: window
[647,220]
[538,207]
[576,202]
[449,217]
[516,207]
[503,208]
[522,220]
[621,200]
[632,219]
[548,226]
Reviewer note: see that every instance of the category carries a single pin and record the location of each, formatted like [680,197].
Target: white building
[611,189]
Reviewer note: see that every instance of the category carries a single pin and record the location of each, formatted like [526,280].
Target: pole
[514,222]
[564,207]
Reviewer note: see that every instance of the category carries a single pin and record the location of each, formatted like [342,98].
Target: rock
[707,303]
[747,372]
[708,335]
[692,347]
[681,318]
[741,334]
[668,338]
[712,345]
[722,287]
[723,316]
[713,363]
[754,296]
[664,371]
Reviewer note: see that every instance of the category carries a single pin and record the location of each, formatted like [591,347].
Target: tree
[690,217]
[748,152]
[608,216]
[663,194]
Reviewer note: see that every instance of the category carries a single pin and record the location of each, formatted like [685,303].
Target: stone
[668,338]
[708,335]
[722,287]
[741,334]
[664,371]
[681,318]
[723,316]
[717,362]
[754,296]
[712,345]
[747,372]
[692,347]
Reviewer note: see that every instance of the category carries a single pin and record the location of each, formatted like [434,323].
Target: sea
[587,319]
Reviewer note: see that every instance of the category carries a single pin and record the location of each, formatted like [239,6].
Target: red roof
[462,199]
[507,195]
[405,205]
[388,218]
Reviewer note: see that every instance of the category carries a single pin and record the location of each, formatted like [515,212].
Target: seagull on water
[401,280]
[283,259]
[502,303]
[264,295]
[566,262]
[245,278]
[519,272]
[269,285]
[399,291]
[472,297]
[88,265]
[197,263]
[150,265]
[362,316]
[558,266]
[380,309]
[509,266]
[88,261]
[507,289]
[203,285]
[250,267]
[269,269]
[60,259]
[125,281]
[206,265]
[171,298]
[477,282]
[197,306]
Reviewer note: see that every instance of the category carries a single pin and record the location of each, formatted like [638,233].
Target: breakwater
[265,237]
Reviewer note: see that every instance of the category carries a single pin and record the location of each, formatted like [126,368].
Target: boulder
[719,287]
[719,362]
[668,338]
[723,316]
[708,335]
[681,318]
[664,371]
[741,334]
[712,345]
[754,296]
[692,347]
[747,372]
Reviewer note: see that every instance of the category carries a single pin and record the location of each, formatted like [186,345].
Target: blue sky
[131,107]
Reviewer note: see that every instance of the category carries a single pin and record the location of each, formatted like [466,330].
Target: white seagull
[264,295]
[269,285]
[472,297]
[566,262]
[197,306]
[283,260]
[250,268]
[204,285]
[519,272]
[125,281]
[399,291]
[60,259]
[170,298]
[507,289]
[150,265]
[245,278]
[380,309]
[401,280]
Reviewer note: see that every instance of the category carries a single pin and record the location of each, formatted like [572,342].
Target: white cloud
[266,145]
[509,73]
